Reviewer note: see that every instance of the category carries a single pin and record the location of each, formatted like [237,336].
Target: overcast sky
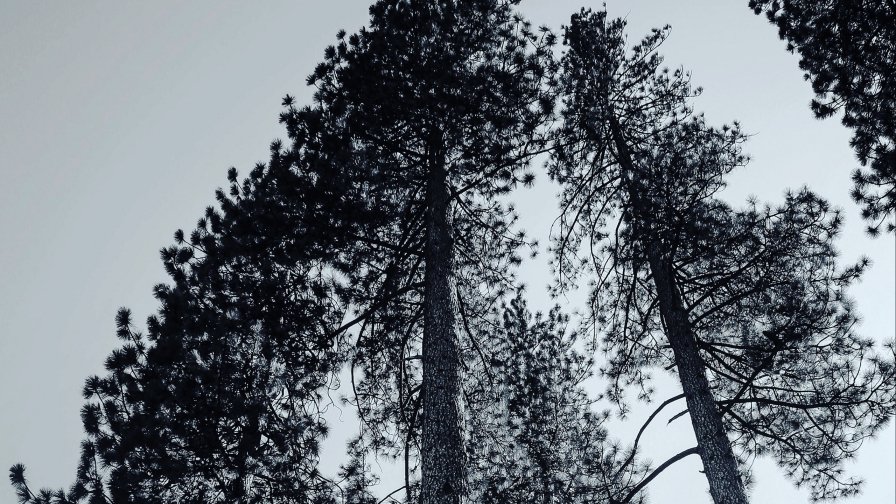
[119,119]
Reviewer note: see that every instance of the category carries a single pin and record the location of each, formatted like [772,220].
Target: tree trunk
[719,463]
[443,479]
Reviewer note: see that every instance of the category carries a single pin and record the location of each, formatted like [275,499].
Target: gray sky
[119,119]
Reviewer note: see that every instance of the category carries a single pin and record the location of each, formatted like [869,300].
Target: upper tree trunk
[719,463]
[443,455]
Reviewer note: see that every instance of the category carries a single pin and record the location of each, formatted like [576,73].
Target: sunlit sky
[119,119]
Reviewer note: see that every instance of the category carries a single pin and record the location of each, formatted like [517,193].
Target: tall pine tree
[747,306]
[221,400]
[428,117]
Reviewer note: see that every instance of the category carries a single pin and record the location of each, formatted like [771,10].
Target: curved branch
[641,432]
[640,486]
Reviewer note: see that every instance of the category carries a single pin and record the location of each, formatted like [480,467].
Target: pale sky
[119,119]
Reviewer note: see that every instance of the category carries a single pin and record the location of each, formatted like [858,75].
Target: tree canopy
[374,256]
[428,117]
[221,399]
[846,50]
[749,307]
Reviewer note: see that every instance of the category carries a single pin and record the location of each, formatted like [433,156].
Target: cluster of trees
[379,247]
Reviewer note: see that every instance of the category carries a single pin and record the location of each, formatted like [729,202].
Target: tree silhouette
[747,306]
[846,52]
[381,243]
[535,435]
[427,118]
[221,400]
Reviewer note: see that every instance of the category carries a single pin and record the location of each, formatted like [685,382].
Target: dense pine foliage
[847,50]
[220,400]
[428,117]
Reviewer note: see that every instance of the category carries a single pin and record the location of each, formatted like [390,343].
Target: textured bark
[719,464]
[443,479]
[714,447]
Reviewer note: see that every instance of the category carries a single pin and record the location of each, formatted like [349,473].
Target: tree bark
[719,463]
[443,478]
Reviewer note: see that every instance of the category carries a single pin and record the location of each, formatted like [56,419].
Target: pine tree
[425,119]
[536,436]
[747,306]
[221,400]
[846,50]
